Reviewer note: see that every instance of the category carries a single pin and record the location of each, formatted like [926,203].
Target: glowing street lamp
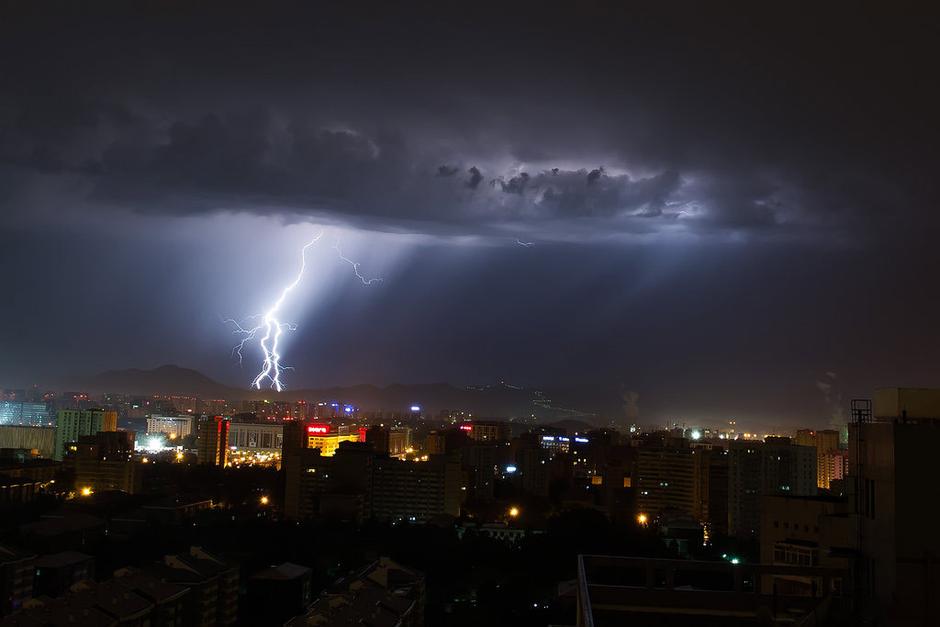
[264,500]
[87,491]
[514,512]
[642,519]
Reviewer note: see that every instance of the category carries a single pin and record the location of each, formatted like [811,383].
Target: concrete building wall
[665,480]
[39,439]
[74,423]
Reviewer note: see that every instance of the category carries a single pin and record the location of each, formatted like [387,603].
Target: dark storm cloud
[475,177]
[244,111]
[257,161]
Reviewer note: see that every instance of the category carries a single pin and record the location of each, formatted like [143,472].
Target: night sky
[730,212]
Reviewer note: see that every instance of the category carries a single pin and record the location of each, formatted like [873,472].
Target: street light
[514,512]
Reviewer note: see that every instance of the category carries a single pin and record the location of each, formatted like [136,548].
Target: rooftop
[65,558]
[662,592]
[285,571]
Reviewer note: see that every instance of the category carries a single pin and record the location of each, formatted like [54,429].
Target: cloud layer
[400,124]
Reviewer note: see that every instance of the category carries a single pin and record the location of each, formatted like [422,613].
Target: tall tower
[212,444]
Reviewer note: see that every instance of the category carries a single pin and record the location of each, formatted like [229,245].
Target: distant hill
[594,404]
[162,380]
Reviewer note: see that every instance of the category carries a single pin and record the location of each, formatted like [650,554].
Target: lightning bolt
[271,328]
[355,266]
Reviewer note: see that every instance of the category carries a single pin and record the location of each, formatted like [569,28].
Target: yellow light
[642,519]
[514,512]
[264,500]
[144,460]
[179,456]
[87,491]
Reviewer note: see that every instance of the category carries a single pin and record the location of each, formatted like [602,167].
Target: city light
[416,408]
[642,519]
[264,500]
[696,435]
[87,491]
[510,469]
[514,512]
[734,559]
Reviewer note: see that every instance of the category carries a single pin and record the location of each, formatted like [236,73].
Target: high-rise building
[711,488]
[776,466]
[415,492]
[788,468]
[212,442]
[378,436]
[260,436]
[896,494]
[532,467]
[24,413]
[399,441]
[356,483]
[744,487]
[826,443]
[436,443]
[665,481]
[105,461]
[306,478]
[488,430]
[174,427]
[324,437]
[73,423]
[479,464]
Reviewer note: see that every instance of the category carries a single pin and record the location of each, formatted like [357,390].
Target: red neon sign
[318,429]
[466,427]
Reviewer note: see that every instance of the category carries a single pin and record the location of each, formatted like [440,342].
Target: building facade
[174,427]
[73,423]
[212,443]
[897,499]
[105,462]
[41,441]
[25,413]
[664,481]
